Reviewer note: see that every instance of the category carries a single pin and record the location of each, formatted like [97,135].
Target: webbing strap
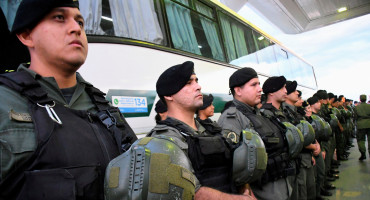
[25,84]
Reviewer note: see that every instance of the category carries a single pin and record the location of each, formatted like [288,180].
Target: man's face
[190,96]
[59,38]
[250,92]
[209,111]
[299,102]
[280,95]
[293,97]
[308,111]
[316,107]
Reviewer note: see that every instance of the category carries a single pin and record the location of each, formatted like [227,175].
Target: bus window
[194,29]
[238,41]
[129,19]
[211,45]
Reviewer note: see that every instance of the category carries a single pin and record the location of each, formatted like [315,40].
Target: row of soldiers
[282,148]
[61,139]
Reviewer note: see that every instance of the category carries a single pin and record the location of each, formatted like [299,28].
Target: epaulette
[231,112]
[266,113]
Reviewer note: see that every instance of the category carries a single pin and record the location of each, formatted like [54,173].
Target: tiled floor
[354,178]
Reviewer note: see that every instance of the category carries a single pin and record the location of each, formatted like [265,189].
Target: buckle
[107,119]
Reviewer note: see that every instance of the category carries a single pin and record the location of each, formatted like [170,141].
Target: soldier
[339,137]
[58,132]
[320,136]
[205,112]
[305,177]
[161,110]
[328,145]
[245,88]
[363,123]
[275,107]
[207,109]
[180,158]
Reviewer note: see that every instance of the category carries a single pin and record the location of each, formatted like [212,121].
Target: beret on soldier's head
[242,76]
[305,104]
[299,93]
[363,97]
[160,107]
[312,100]
[291,86]
[335,98]
[330,95]
[30,12]
[273,84]
[207,101]
[174,78]
[321,94]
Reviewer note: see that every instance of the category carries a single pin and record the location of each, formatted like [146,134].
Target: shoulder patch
[20,117]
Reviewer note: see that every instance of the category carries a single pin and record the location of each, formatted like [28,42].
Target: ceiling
[297,16]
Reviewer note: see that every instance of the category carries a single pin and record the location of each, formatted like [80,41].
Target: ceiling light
[342,9]
[261,38]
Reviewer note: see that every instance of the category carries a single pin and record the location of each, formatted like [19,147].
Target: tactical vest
[73,146]
[211,157]
[292,116]
[272,132]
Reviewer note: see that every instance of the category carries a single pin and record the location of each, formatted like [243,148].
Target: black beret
[241,76]
[291,86]
[335,98]
[30,12]
[305,104]
[312,100]
[299,93]
[340,97]
[174,78]
[273,84]
[207,101]
[330,95]
[322,94]
[160,107]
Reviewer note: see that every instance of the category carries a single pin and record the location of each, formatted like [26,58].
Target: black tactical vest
[272,132]
[70,158]
[211,157]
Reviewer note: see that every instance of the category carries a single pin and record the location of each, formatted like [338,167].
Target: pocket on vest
[62,184]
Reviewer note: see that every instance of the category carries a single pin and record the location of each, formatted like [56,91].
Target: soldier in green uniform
[320,163]
[363,124]
[178,87]
[161,110]
[245,88]
[53,123]
[329,144]
[342,155]
[306,188]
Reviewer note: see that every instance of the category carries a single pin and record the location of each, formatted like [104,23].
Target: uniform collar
[244,106]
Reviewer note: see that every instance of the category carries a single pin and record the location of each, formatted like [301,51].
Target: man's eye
[81,23]
[59,17]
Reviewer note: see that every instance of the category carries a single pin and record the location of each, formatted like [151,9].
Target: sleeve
[17,136]
[232,124]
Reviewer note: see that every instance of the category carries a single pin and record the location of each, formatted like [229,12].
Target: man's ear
[25,38]
[168,98]
[237,91]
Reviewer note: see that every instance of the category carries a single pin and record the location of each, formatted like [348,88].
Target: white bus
[131,42]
